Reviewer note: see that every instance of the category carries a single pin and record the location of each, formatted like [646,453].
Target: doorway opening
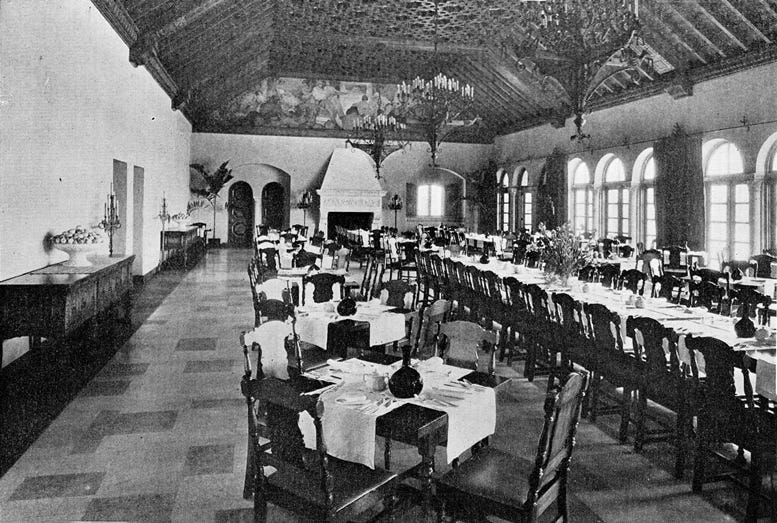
[273,198]
[241,215]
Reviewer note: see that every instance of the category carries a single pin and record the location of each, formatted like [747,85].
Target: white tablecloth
[349,430]
[385,327]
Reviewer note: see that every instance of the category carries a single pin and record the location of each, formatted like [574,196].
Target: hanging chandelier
[439,104]
[378,135]
[572,40]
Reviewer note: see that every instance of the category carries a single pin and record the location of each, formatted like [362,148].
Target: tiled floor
[160,433]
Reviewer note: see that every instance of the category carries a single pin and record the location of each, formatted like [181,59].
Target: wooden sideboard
[179,246]
[54,301]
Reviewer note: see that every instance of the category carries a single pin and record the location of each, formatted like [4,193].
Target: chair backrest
[756,302]
[396,293]
[273,289]
[714,365]
[604,327]
[668,286]
[675,257]
[538,302]
[270,342]
[551,467]
[305,259]
[706,294]
[462,339]
[608,274]
[763,264]
[605,246]
[325,287]
[737,269]
[268,258]
[712,276]
[633,280]
[588,273]
[569,313]
[651,263]
[301,469]
[649,345]
[272,310]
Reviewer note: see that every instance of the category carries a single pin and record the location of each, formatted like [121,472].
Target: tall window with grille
[616,193]
[430,200]
[504,203]
[728,204]
[527,202]
[582,196]
[649,200]
[771,201]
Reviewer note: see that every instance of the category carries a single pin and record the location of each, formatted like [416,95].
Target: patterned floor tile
[209,459]
[143,507]
[196,344]
[58,486]
[119,370]
[106,388]
[198,366]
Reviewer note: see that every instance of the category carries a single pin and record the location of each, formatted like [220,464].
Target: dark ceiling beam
[504,69]
[659,27]
[720,25]
[182,21]
[504,107]
[745,20]
[692,28]
[388,43]
[222,92]
[230,66]
[514,98]
[767,7]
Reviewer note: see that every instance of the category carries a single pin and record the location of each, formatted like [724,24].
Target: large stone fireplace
[350,188]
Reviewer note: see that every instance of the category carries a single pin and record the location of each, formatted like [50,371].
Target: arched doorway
[241,215]
[272,205]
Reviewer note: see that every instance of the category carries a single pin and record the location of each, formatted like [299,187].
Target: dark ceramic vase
[406,382]
[346,307]
[745,328]
[484,258]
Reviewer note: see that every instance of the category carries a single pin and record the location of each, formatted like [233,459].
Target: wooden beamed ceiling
[216,51]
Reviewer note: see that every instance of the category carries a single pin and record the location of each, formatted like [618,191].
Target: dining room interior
[430,260]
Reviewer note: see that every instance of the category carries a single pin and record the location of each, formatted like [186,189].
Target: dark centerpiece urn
[346,307]
[744,328]
[406,382]
[484,258]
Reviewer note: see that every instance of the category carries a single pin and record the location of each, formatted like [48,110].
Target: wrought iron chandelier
[572,40]
[438,102]
[378,135]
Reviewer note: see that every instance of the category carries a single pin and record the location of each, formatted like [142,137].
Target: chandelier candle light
[378,135]
[305,202]
[164,217]
[110,222]
[395,204]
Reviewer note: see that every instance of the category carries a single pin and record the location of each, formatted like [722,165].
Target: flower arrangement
[562,256]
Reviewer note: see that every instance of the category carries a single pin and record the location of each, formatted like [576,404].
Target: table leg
[426,447]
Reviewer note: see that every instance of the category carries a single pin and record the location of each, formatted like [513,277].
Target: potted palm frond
[214,183]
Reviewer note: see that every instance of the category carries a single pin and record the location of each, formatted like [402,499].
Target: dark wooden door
[241,215]
[272,205]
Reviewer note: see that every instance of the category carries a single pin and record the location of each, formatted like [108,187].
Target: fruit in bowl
[78,243]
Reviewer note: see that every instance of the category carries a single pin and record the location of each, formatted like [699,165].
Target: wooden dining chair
[428,330]
[271,310]
[540,346]
[661,382]
[324,285]
[608,274]
[467,344]
[707,294]
[307,259]
[495,482]
[633,280]
[307,482]
[727,414]
[613,364]
[668,286]
[398,293]
[274,289]
[763,264]
[268,258]
[737,269]
[572,342]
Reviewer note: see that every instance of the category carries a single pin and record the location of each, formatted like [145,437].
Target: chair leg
[700,460]
[681,443]
[639,438]
[625,414]
[754,487]
[594,396]
[387,454]
[248,485]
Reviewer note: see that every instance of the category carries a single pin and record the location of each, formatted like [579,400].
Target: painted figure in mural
[330,110]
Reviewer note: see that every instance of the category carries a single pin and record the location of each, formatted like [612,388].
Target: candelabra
[395,204]
[110,222]
[164,217]
[305,202]
[379,136]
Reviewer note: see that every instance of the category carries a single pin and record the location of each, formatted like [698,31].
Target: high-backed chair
[633,280]
[467,344]
[309,482]
[668,286]
[306,259]
[763,265]
[399,293]
[324,287]
[727,414]
[429,326]
[268,258]
[608,274]
[495,482]
[739,268]
[273,289]
[651,262]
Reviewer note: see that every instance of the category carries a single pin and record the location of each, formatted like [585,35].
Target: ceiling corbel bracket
[680,87]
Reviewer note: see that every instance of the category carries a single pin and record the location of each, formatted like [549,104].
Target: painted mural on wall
[315,104]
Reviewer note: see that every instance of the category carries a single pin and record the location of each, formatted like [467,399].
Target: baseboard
[142,279]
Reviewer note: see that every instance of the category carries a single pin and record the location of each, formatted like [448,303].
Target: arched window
[504,203]
[728,202]
[527,201]
[645,174]
[582,196]
[616,195]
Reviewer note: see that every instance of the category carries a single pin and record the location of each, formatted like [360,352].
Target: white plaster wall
[70,103]
[305,160]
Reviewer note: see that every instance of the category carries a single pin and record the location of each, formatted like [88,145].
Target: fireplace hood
[350,185]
